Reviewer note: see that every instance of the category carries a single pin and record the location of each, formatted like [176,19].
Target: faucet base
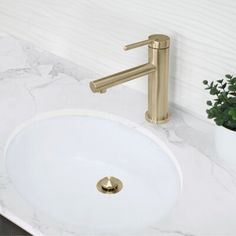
[156,121]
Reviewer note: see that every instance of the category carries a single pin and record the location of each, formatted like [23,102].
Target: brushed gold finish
[138,44]
[157,70]
[109,185]
[121,77]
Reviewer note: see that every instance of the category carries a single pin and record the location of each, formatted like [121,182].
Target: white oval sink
[55,162]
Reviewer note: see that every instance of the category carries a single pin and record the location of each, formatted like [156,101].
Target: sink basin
[55,162]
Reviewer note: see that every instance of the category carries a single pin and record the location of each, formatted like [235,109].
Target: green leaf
[210,114]
[228,76]
[220,81]
[232,88]
[233,80]
[213,91]
[224,95]
[209,103]
[224,85]
[205,82]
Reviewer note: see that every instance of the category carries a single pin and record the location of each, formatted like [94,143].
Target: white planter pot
[225,144]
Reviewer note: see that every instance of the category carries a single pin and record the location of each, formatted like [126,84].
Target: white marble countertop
[33,81]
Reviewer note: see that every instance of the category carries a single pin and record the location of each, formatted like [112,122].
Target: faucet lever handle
[138,44]
[155,41]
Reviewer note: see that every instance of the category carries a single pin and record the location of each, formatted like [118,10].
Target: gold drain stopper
[109,185]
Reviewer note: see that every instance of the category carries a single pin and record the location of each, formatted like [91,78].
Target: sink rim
[104,115]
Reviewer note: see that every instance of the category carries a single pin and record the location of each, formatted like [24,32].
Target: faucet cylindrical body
[158,81]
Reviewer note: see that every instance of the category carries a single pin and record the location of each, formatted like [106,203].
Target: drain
[109,185]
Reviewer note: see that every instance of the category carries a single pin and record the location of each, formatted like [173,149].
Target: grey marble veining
[39,81]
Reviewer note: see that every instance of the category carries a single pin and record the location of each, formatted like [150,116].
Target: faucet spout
[104,83]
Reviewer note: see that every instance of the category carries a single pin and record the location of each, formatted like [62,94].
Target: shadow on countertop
[9,228]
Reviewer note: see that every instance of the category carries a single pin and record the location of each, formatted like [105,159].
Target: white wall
[92,33]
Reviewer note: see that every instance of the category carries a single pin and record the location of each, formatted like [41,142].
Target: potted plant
[222,109]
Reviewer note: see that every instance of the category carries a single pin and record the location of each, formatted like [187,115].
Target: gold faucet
[157,70]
